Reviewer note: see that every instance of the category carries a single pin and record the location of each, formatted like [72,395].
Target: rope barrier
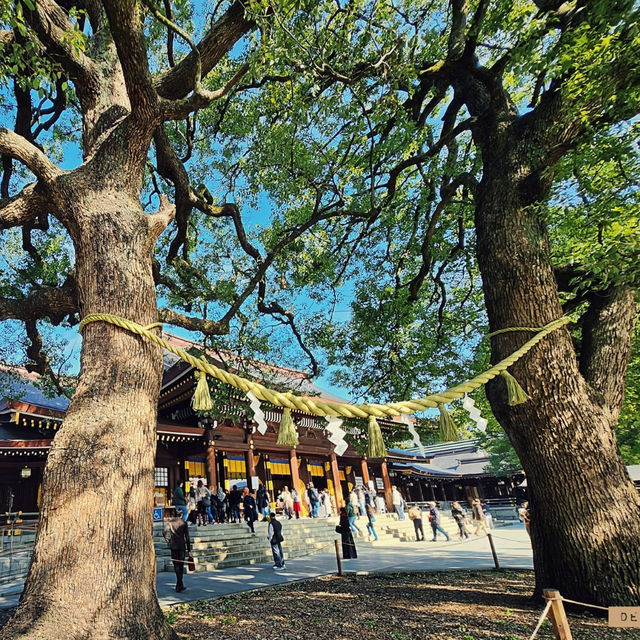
[319,407]
[543,615]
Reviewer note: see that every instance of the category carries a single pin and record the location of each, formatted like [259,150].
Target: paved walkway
[512,546]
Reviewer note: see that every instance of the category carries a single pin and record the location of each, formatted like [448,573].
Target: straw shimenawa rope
[319,407]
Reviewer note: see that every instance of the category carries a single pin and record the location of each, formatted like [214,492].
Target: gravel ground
[461,605]
[451,605]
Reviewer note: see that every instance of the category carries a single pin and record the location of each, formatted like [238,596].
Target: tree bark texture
[585,510]
[93,570]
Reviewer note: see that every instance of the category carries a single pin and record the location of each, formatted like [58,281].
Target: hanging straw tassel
[448,429]
[375,448]
[201,400]
[287,436]
[515,393]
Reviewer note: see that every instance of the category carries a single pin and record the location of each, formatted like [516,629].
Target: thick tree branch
[15,146]
[181,80]
[606,343]
[126,25]
[47,302]
[24,207]
[200,98]
[208,327]
[51,24]
[159,221]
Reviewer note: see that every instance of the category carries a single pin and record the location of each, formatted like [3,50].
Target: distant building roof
[453,459]
[26,390]
[293,379]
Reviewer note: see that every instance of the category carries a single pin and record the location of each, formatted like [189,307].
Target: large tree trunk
[93,570]
[585,510]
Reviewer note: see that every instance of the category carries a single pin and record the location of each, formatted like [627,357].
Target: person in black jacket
[249,506]
[176,533]
[274,535]
[344,529]
[262,501]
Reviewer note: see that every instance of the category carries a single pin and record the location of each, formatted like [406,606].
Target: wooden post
[365,472]
[387,486]
[212,479]
[338,560]
[335,476]
[250,464]
[295,477]
[557,614]
[493,551]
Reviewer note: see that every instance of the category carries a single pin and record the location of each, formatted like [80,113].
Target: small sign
[157,514]
[255,482]
[628,617]
[380,484]
[358,480]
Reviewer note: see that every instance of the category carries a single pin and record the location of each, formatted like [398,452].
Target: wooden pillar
[335,477]
[293,463]
[365,471]
[212,478]
[250,464]
[387,485]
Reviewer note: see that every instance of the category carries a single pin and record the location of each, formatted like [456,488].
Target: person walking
[176,533]
[371,530]
[525,516]
[458,515]
[398,502]
[326,502]
[361,500]
[250,510]
[352,514]
[221,504]
[274,535]
[192,506]
[313,499]
[235,498]
[415,515]
[434,519]
[487,514]
[478,517]
[344,529]
[179,501]
[204,503]
[354,502]
[297,504]
[262,502]
[287,502]
[381,507]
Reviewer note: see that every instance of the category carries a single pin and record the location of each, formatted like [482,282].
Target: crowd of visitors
[201,506]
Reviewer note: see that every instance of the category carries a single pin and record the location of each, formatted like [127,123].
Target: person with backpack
[415,515]
[204,503]
[179,501]
[458,515]
[274,535]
